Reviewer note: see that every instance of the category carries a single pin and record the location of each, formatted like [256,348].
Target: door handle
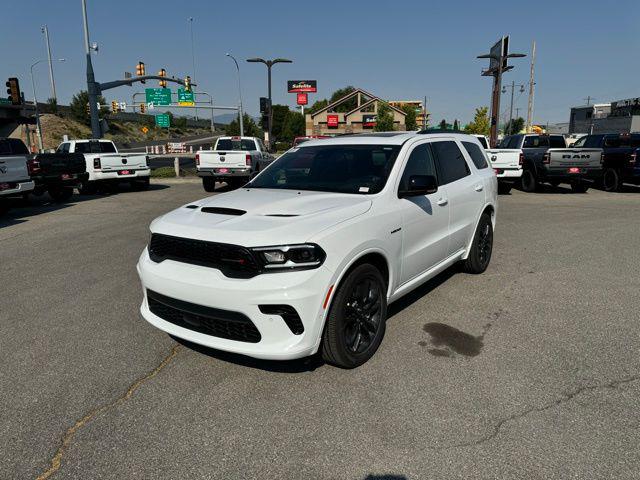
[478,188]
[442,201]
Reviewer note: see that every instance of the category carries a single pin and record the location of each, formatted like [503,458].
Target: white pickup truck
[507,163]
[105,165]
[232,160]
[14,176]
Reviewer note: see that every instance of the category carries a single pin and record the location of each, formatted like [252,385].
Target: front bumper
[223,172]
[304,290]
[18,189]
[113,174]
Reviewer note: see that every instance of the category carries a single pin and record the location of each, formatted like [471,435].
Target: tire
[579,186]
[611,181]
[209,184]
[504,188]
[87,188]
[529,181]
[60,194]
[352,334]
[481,248]
[141,185]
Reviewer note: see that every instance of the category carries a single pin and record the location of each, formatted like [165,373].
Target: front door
[425,218]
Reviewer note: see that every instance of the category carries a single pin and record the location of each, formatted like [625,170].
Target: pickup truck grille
[210,321]
[232,260]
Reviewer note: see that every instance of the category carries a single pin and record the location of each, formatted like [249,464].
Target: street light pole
[35,103]
[193,58]
[239,94]
[45,30]
[92,87]
[269,64]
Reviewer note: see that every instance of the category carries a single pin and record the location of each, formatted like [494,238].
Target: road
[530,370]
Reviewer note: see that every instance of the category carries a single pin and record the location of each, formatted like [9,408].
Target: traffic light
[140,71]
[264,105]
[143,108]
[162,73]
[114,107]
[187,83]
[13,91]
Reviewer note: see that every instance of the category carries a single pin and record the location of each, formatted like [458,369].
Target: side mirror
[419,185]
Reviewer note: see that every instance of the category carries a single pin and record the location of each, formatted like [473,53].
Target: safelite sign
[332,121]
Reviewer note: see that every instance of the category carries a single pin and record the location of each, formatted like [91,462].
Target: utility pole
[504,90]
[92,88]
[498,57]
[35,103]
[239,94]
[45,30]
[193,58]
[531,89]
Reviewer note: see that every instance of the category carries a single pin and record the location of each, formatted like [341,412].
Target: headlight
[286,257]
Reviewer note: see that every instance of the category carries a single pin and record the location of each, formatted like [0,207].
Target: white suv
[308,255]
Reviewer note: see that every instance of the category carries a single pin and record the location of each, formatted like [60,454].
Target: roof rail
[438,130]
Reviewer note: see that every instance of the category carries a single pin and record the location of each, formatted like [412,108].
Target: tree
[349,104]
[384,118]
[480,124]
[514,126]
[294,126]
[456,125]
[280,113]
[78,106]
[443,124]
[318,105]
[251,129]
[52,105]
[410,119]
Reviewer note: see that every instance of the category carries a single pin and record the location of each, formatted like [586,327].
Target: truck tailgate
[221,158]
[574,157]
[504,158]
[13,168]
[120,161]
[53,164]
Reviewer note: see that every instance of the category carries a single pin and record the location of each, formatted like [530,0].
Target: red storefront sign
[332,121]
[303,99]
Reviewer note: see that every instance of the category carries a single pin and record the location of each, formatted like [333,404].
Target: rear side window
[556,141]
[593,141]
[63,148]
[477,155]
[5,148]
[420,163]
[451,163]
[483,142]
[18,147]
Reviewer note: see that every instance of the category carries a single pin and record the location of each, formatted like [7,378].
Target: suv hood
[261,217]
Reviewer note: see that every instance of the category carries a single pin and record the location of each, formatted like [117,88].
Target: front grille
[232,260]
[207,320]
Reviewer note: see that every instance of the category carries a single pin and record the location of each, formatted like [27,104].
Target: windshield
[233,144]
[362,169]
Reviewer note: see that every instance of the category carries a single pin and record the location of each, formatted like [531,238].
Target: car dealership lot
[529,370]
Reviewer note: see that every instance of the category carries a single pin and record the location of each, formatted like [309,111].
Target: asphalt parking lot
[530,370]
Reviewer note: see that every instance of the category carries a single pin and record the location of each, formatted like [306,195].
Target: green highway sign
[162,120]
[158,96]
[185,98]
[5,101]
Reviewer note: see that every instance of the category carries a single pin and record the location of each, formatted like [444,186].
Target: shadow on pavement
[308,364]
[410,298]
[386,476]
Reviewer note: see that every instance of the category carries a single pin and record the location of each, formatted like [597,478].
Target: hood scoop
[223,211]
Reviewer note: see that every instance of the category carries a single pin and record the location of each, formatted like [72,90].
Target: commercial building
[354,113]
[622,116]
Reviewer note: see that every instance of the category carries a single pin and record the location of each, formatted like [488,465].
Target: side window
[580,142]
[593,141]
[557,141]
[420,162]
[531,142]
[5,148]
[477,155]
[451,163]
[63,148]
[18,147]
[514,142]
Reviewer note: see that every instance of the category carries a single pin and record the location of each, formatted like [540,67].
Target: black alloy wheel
[481,248]
[356,320]
[529,181]
[611,180]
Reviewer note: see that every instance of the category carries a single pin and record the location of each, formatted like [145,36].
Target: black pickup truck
[620,161]
[57,173]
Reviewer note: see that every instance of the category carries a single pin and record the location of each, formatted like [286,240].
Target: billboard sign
[332,121]
[302,99]
[302,86]
[368,120]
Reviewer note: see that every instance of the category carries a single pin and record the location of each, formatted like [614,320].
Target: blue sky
[396,50]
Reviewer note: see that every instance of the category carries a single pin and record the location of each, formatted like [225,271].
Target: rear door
[464,190]
[425,218]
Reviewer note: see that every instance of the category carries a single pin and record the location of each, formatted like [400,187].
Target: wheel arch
[489,208]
